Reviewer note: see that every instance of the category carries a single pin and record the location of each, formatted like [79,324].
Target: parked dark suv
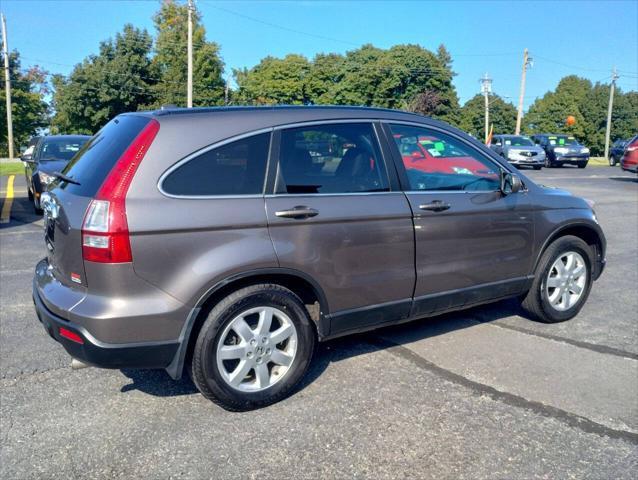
[228,241]
[562,150]
[49,156]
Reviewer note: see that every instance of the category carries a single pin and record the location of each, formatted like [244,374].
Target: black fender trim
[600,260]
[176,368]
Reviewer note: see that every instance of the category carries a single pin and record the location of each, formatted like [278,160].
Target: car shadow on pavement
[633,179]
[22,212]
[159,383]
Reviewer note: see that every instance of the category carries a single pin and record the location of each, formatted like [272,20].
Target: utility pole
[227,90]
[189,87]
[527,61]
[486,89]
[7,82]
[614,77]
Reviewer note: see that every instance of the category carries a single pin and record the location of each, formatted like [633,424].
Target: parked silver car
[519,150]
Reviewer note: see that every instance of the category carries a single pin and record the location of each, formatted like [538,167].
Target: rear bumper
[100,354]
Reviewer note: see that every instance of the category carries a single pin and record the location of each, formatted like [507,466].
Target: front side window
[236,168]
[436,161]
[331,158]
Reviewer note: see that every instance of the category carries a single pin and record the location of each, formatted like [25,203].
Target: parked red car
[430,155]
[629,161]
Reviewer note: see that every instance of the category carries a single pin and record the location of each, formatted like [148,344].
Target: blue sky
[564,37]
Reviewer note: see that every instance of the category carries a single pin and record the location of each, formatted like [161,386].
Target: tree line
[134,71]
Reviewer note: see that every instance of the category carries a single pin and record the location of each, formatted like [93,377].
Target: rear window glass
[56,149]
[96,158]
[237,168]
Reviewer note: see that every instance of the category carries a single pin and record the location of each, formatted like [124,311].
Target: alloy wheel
[256,349]
[566,281]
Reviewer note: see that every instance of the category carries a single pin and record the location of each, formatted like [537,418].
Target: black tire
[537,167]
[548,163]
[535,303]
[30,194]
[204,370]
[36,207]
[612,161]
[582,165]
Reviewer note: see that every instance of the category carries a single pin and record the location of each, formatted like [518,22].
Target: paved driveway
[483,393]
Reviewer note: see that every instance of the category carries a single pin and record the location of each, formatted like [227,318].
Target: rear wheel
[254,347]
[561,282]
[612,161]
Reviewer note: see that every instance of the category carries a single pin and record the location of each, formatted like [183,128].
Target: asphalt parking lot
[483,393]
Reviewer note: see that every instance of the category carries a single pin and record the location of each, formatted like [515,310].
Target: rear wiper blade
[62,176]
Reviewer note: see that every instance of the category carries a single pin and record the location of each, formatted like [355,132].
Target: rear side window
[236,168]
[331,158]
[96,158]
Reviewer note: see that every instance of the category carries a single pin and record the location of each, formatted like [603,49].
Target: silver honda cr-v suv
[228,241]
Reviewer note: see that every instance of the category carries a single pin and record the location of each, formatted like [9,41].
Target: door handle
[298,212]
[435,206]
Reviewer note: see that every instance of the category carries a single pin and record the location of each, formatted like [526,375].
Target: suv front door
[473,243]
[336,217]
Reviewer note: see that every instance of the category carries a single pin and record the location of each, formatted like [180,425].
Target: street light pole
[519,115]
[614,77]
[7,81]
[486,89]
[189,87]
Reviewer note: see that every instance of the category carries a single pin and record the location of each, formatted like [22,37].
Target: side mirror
[27,157]
[510,183]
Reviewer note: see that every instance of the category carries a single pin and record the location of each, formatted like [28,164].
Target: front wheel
[561,282]
[582,165]
[254,347]
[612,161]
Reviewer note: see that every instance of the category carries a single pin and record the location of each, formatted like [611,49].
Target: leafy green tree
[366,76]
[549,113]
[325,73]
[275,81]
[28,108]
[170,60]
[502,116]
[624,120]
[116,80]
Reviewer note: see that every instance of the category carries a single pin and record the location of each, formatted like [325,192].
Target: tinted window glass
[60,148]
[237,168]
[333,158]
[95,160]
[435,161]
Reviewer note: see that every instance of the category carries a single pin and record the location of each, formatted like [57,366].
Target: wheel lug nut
[253,342]
[249,354]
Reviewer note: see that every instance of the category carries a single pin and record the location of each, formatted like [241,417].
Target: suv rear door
[339,217]
[472,242]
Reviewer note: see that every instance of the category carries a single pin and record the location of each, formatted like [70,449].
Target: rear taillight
[105,235]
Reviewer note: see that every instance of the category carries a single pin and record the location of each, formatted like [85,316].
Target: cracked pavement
[482,393]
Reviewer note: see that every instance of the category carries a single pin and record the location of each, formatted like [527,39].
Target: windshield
[519,142]
[61,148]
[563,140]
